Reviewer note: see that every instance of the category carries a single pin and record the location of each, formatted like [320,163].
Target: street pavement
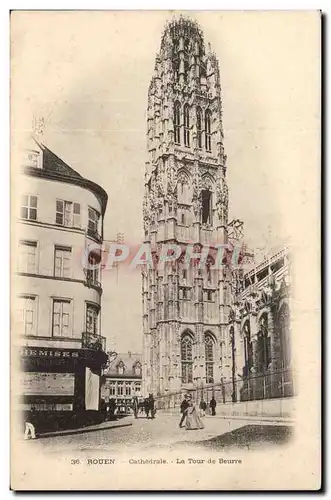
[163,433]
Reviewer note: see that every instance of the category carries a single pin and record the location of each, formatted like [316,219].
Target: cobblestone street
[164,433]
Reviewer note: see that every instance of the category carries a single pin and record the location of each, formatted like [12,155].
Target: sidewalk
[259,419]
[124,422]
[256,418]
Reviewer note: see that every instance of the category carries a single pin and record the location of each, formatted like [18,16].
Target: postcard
[165,250]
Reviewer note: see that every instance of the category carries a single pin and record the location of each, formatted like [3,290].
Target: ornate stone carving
[196,192]
[145,213]
[222,198]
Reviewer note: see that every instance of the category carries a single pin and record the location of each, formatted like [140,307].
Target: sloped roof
[129,360]
[55,168]
[53,163]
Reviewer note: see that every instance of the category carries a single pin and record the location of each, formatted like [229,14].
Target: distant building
[122,379]
[56,301]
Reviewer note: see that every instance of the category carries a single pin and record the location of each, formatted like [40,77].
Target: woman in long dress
[193,421]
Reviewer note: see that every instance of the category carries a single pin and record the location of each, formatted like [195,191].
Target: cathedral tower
[185,306]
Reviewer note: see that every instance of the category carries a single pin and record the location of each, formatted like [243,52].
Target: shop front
[61,386]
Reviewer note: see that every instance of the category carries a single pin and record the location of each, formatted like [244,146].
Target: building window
[183,218]
[112,389]
[62,262]
[187,125]
[128,389]
[61,324]
[248,350]
[92,274]
[263,345]
[209,357]
[29,207]
[93,221]
[199,127]
[209,295]
[26,314]
[137,369]
[27,256]
[184,276]
[208,130]
[121,368]
[177,122]
[67,213]
[137,388]
[187,359]
[284,337]
[209,277]
[120,388]
[206,206]
[92,318]
[33,159]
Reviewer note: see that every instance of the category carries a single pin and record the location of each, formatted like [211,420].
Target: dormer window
[137,369]
[33,159]
[120,368]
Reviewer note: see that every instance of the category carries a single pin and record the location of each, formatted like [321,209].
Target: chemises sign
[44,352]
[50,384]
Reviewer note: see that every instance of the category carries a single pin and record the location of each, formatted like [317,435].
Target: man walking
[212,405]
[202,406]
[183,409]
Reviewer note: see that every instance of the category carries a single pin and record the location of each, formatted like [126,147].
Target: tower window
[183,218]
[208,130]
[177,122]
[209,356]
[187,359]
[206,206]
[199,127]
[187,125]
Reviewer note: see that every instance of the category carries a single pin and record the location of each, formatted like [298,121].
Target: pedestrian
[183,409]
[203,407]
[151,404]
[135,406]
[193,421]
[30,423]
[212,405]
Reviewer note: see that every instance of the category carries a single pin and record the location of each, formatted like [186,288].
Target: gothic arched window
[247,349]
[284,337]
[186,351]
[187,125]
[208,130]
[263,345]
[199,127]
[177,122]
[209,357]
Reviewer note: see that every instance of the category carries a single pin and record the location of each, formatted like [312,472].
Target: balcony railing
[93,234]
[93,341]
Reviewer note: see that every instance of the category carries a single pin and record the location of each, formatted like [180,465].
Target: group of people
[203,407]
[147,405]
[190,415]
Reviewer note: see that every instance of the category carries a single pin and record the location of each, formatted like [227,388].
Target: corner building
[185,307]
[56,297]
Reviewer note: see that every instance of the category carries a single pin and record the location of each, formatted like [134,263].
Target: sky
[87,74]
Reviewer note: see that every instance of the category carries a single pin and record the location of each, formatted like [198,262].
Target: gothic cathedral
[185,306]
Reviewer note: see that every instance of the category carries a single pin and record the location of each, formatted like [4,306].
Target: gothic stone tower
[185,306]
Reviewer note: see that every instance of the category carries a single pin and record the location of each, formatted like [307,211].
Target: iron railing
[93,341]
[272,385]
[93,234]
